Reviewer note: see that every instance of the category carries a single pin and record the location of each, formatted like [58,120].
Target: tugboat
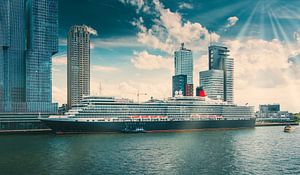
[136,130]
[288,128]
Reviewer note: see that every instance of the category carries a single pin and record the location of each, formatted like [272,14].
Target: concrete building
[78,64]
[183,59]
[269,108]
[28,40]
[212,82]
[272,111]
[189,90]
[179,83]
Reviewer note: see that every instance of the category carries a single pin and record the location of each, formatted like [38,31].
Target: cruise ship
[180,113]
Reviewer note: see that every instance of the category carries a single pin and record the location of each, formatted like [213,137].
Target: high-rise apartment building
[78,64]
[219,60]
[28,40]
[183,59]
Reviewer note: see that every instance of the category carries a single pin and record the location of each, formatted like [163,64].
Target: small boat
[288,128]
[136,130]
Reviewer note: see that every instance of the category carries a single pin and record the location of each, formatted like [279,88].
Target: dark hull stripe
[161,126]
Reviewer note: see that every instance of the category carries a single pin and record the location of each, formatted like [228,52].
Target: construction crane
[139,94]
[100,89]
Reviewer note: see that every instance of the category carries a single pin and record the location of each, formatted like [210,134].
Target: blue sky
[136,40]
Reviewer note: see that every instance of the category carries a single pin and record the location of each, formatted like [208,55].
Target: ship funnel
[202,92]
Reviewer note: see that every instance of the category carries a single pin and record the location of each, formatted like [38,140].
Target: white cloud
[169,30]
[184,5]
[265,72]
[294,66]
[232,21]
[60,59]
[92,31]
[105,68]
[59,94]
[144,60]
[139,4]
[256,59]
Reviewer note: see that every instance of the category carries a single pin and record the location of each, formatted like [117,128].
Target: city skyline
[134,51]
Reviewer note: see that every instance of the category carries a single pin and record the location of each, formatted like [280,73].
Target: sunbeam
[247,24]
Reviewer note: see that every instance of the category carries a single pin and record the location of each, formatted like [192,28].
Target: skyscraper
[28,39]
[184,66]
[78,64]
[219,60]
[42,43]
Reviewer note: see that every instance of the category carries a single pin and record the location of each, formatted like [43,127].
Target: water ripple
[251,151]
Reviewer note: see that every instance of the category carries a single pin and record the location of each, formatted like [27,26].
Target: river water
[263,150]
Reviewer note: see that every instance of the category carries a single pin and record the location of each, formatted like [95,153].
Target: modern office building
[269,108]
[272,111]
[183,59]
[212,82]
[228,80]
[219,59]
[78,64]
[179,83]
[28,40]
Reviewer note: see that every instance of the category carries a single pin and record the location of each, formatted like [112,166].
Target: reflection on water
[250,151]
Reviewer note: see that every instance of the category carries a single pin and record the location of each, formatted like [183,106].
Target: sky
[133,44]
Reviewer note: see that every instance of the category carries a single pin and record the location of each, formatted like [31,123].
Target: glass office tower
[219,60]
[28,39]
[184,66]
[184,63]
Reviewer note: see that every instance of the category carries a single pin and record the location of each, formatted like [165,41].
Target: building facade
[78,64]
[269,108]
[272,111]
[219,59]
[184,63]
[179,83]
[189,90]
[212,82]
[183,59]
[28,40]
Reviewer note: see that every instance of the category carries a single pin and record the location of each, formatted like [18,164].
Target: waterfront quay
[22,122]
